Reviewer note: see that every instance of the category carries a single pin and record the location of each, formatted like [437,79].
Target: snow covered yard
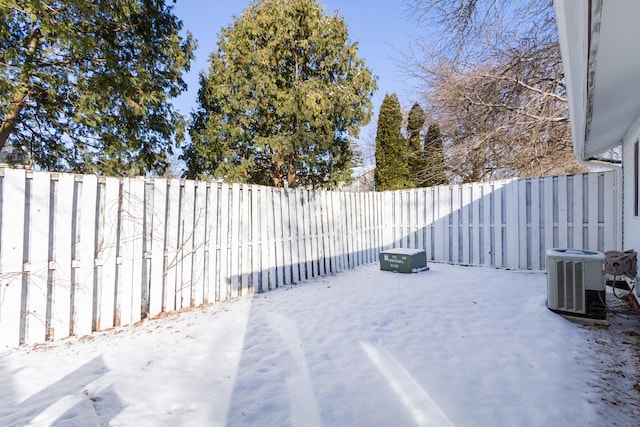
[461,346]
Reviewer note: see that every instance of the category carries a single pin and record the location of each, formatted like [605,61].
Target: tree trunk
[10,119]
[22,93]
[291,178]
[292,170]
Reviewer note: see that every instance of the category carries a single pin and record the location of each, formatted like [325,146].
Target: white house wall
[598,41]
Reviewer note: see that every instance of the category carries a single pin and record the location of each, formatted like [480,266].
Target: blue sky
[382,31]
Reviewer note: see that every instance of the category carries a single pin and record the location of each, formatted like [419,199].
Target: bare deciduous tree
[496,88]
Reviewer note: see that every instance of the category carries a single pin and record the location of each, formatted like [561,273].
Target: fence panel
[256,240]
[131,239]
[466,197]
[136,212]
[485,241]
[200,270]
[348,224]
[593,196]
[235,210]
[535,225]
[548,221]
[156,214]
[611,220]
[520,242]
[61,266]
[330,251]
[127,238]
[294,238]
[11,254]
[270,238]
[307,233]
[445,204]
[224,284]
[279,218]
[171,248]
[497,221]
[475,221]
[37,273]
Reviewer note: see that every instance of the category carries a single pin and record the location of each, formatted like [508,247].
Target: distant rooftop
[361,170]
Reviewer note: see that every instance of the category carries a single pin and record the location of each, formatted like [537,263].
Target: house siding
[630,221]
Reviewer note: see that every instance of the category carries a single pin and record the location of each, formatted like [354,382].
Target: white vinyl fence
[508,223]
[80,253]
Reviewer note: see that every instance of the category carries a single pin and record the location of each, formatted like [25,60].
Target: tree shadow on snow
[66,400]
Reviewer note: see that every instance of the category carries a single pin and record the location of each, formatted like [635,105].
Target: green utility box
[403,260]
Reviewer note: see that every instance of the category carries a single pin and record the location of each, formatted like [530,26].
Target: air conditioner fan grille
[570,285]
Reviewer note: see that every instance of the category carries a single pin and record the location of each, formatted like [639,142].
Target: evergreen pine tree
[86,86]
[433,172]
[284,96]
[392,167]
[415,124]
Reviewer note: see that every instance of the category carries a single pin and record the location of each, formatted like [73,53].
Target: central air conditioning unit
[576,283]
